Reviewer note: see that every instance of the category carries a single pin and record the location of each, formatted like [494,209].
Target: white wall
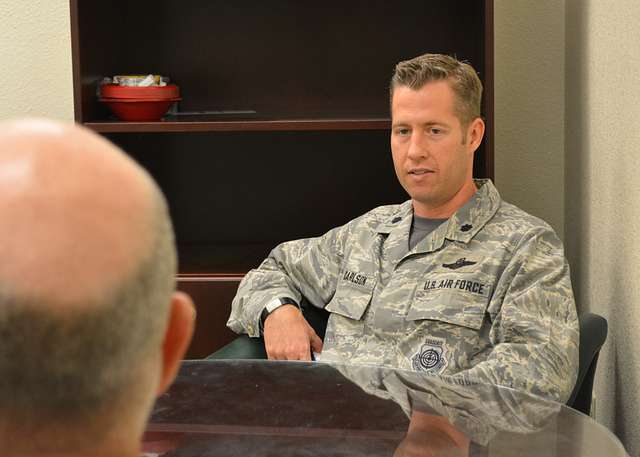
[603,193]
[529,106]
[35,59]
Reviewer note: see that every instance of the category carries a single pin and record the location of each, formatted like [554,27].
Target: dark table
[269,408]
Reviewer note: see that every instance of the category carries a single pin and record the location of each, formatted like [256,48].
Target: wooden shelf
[283,127]
[210,125]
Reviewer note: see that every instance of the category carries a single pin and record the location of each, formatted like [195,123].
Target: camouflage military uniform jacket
[486,296]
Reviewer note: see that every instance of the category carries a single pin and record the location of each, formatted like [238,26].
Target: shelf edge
[241,126]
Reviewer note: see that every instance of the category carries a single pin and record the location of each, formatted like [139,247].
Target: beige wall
[35,59]
[529,106]
[603,193]
[568,81]
[567,142]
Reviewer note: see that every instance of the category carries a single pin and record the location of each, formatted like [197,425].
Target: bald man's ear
[177,337]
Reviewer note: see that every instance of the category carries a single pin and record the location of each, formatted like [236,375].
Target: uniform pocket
[347,307]
[351,301]
[449,307]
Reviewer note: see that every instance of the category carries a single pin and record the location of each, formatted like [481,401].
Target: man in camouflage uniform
[454,281]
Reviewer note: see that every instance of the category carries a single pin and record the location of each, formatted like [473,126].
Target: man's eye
[402,132]
[435,131]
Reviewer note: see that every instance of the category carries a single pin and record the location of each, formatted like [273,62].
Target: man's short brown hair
[464,81]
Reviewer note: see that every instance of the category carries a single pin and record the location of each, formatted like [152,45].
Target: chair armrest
[245,347]
[242,347]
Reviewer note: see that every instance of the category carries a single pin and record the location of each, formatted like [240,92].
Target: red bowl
[151,92]
[139,109]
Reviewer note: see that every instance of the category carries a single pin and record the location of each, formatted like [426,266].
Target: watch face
[278,302]
[273,304]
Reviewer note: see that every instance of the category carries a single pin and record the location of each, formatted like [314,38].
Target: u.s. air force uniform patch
[431,358]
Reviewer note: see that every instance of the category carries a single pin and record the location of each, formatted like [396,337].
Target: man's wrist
[278,302]
[273,305]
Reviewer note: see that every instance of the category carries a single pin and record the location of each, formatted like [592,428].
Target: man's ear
[182,315]
[475,133]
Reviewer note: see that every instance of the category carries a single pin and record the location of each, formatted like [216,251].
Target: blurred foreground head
[91,327]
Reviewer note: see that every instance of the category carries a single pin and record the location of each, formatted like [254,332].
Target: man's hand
[288,336]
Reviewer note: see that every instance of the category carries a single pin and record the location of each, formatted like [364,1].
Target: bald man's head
[86,276]
[65,195]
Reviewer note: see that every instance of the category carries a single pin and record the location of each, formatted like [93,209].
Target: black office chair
[593,334]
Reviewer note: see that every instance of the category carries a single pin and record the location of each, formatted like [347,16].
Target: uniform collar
[469,220]
[399,220]
[462,225]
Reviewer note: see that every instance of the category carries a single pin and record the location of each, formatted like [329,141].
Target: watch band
[273,305]
[278,302]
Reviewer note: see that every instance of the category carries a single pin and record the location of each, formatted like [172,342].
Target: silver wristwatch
[278,302]
[273,305]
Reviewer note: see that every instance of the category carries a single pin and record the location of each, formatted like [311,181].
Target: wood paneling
[212,296]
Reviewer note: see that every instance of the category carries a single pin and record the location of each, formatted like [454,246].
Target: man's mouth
[420,171]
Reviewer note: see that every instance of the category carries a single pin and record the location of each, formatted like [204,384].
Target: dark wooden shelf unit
[188,124]
[296,140]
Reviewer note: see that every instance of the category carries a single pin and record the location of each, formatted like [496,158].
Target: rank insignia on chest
[431,358]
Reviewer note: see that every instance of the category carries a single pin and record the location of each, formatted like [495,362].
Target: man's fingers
[288,336]
[298,351]
[304,355]
[271,352]
[316,342]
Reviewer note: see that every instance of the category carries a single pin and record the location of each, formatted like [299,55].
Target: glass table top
[276,408]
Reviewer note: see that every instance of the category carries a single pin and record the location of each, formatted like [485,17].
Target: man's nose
[417,147]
